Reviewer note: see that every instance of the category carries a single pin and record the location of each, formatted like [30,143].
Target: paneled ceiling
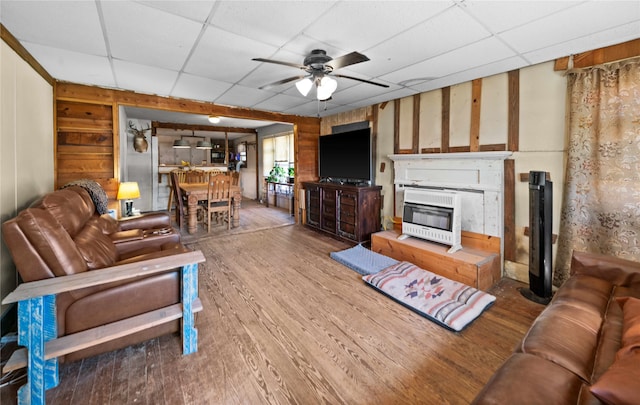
[203,50]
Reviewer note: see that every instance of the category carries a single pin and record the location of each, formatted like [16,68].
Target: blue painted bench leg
[189,294]
[36,326]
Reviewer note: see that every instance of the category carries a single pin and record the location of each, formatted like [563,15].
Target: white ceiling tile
[272,22]
[458,40]
[480,53]
[267,73]
[360,91]
[225,56]
[158,39]
[303,44]
[195,10]
[311,108]
[392,95]
[199,88]
[490,69]
[240,95]
[73,66]
[144,79]
[575,22]
[72,25]
[279,103]
[618,34]
[499,16]
[358,26]
[447,31]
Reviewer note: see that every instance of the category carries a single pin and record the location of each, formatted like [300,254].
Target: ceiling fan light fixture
[326,87]
[213,119]
[304,86]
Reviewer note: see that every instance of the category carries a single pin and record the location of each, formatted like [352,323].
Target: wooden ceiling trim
[599,56]
[192,127]
[22,52]
[79,92]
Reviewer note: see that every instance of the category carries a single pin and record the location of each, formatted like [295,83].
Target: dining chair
[235,178]
[180,174]
[195,176]
[219,199]
[178,198]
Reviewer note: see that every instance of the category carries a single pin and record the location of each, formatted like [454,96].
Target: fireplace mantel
[447,156]
[477,176]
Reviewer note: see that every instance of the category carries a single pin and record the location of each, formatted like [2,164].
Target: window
[277,150]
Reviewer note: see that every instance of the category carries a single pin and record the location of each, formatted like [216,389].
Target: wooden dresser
[344,211]
[476,265]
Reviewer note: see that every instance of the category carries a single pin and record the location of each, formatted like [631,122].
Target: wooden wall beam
[513,124]
[396,125]
[446,112]
[476,97]
[509,210]
[415,143]
[599,56]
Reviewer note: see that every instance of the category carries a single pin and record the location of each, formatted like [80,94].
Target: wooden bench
[476,265]
[37,330]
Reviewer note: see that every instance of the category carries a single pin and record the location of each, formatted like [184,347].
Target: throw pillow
[631,321]
[619,384]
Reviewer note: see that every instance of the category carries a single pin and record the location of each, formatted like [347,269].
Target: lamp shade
[326,87]
[213,119]
[128,191]
[304,86]
[181,144]
[204,145]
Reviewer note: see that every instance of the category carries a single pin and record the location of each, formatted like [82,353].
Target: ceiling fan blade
[361,80]
[347,60]
[278,62]
[279,82]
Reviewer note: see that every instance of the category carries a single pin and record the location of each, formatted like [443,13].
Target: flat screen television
[346,157]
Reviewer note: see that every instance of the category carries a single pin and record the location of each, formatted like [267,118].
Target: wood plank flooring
[285,324]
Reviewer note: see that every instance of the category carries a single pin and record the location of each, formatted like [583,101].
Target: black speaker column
[540,233]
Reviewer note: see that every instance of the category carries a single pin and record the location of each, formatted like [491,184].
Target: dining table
[196,192]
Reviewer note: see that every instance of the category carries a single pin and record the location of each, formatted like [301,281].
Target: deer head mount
[140,143]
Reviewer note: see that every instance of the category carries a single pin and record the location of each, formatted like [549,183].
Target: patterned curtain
[601,201]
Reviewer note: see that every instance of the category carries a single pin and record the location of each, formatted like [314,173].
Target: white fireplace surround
[477,176]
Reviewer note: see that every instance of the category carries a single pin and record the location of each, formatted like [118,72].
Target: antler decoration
[140,143]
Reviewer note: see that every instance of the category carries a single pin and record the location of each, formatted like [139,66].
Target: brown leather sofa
[62,234]
[580,344]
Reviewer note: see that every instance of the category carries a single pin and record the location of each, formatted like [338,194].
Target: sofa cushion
[619,384]
[512,383]
[575,317]
[609,341]
[51,241]
[631,323]
[107,224]
[96,248]
[68,207]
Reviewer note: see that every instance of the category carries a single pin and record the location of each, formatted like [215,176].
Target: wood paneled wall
[84,141]
[88,141]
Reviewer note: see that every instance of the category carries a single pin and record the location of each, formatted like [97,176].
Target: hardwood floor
[285,324]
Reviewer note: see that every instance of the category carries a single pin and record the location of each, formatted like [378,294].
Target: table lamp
[128,191]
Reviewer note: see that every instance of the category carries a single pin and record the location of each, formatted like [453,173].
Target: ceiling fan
[318,66]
